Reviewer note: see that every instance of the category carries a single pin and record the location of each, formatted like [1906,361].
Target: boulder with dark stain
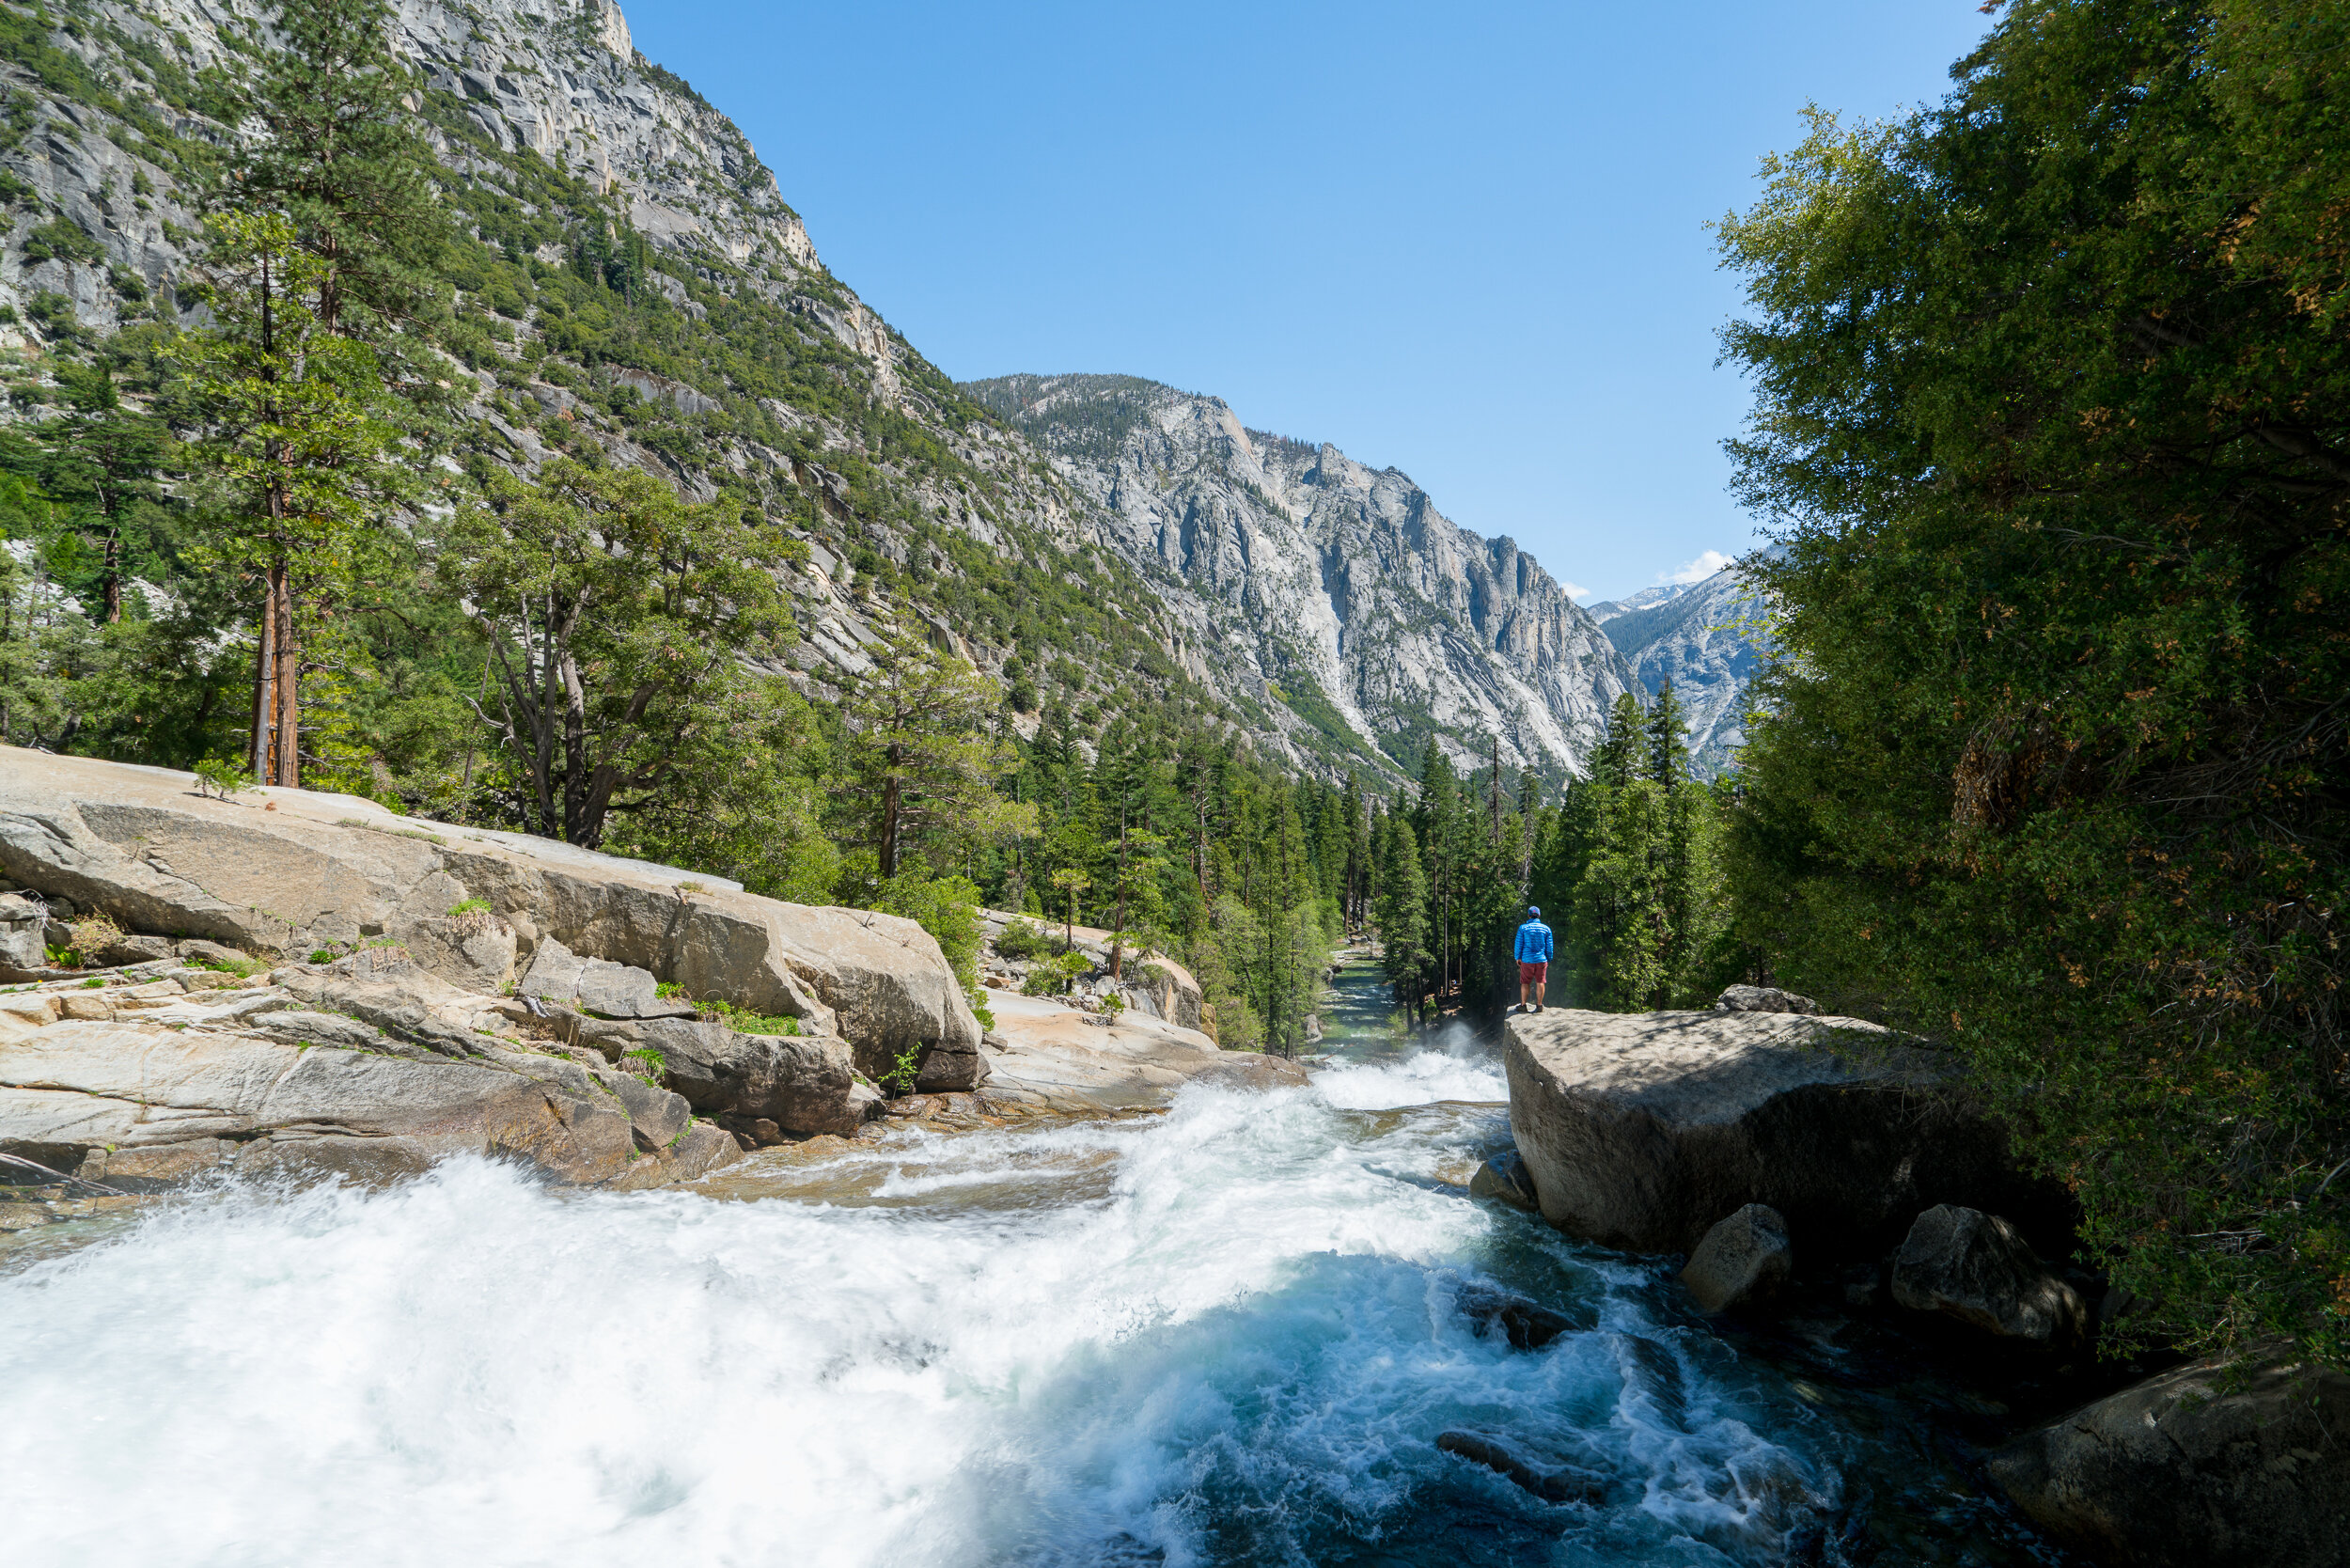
[1978,1269]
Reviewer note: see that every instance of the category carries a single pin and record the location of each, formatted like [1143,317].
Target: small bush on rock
[1021,939]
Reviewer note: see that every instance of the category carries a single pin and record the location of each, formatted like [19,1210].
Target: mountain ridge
[1304,565]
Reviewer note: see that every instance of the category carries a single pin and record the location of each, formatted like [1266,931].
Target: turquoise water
[1228,1334]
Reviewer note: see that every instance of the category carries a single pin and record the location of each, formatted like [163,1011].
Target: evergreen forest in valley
[2051,425]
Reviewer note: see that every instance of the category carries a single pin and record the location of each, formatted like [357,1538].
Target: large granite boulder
[1978,1269]
[291,870]
[1643,1129]
[803,1084]
[2207,1463]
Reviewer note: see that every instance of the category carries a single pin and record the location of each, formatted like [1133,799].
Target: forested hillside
[444,406]
[2054,402]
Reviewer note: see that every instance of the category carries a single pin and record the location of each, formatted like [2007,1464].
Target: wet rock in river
[1528,1326]
[1505,1179]
[1552,1483]
[1743,1261]
[1978,1269]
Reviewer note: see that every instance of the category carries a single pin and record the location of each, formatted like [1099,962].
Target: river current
[1228,1334]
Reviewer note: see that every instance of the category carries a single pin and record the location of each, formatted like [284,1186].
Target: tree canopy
[2053,409]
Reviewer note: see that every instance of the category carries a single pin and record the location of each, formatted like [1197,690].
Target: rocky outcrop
[1333,597]
[1743,1261]
[1045,1055]
[2207,1463]
[370,1070]
[293,871]
[1643,1129]
[1978,1269]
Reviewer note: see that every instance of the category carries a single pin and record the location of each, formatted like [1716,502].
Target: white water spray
[1231,1334]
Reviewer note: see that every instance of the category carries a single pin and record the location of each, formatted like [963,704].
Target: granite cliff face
[1335,590]
[1706,640]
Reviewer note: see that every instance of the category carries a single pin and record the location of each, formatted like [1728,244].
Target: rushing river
[1228,1334]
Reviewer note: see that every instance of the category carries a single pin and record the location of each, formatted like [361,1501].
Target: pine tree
[1668,761]
[1402,913]
[341,159]
[1622,752]
[296,445]
[104,460]
[924,759]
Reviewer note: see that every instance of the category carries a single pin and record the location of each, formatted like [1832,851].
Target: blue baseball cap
[1535,910]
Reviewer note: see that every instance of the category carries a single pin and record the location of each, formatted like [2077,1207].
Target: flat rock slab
[1052,1058]
[1641,1130]
[253,1080]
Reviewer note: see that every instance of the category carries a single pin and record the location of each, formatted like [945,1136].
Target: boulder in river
[1643,1129]
[1047,1056]
[1978,1269]
[1743,1261]
[1505,1179]
[1527,1325]
[2206,1463]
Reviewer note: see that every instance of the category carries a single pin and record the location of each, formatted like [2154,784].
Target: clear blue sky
[1465,240]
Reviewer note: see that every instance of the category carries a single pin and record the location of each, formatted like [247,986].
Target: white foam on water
[1243,1354]
[1456,1069]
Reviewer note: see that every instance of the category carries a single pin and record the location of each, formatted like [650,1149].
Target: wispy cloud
[1577,591]
[1698,569]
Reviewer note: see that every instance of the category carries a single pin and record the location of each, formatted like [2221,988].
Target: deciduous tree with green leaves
[618,619]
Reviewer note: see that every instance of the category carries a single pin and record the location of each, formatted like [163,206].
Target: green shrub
[219,779]
[469,906]
[1052,977]
[1021,939]
[744,1021]
[62,240]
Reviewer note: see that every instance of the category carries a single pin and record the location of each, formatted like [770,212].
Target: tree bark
[113,576]
[264,672]
[287,681]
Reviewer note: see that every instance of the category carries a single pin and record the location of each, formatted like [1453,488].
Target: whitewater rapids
[1229,1335]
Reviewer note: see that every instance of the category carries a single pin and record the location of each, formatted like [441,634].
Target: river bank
[1232,1334]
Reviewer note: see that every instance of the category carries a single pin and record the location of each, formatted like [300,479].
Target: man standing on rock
[1533,960]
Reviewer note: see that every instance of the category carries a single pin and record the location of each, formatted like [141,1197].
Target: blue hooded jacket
[1534,942]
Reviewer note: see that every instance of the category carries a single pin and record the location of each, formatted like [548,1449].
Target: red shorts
[1534,974]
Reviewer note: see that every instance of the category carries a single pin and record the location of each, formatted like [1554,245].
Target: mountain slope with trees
[442,406]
